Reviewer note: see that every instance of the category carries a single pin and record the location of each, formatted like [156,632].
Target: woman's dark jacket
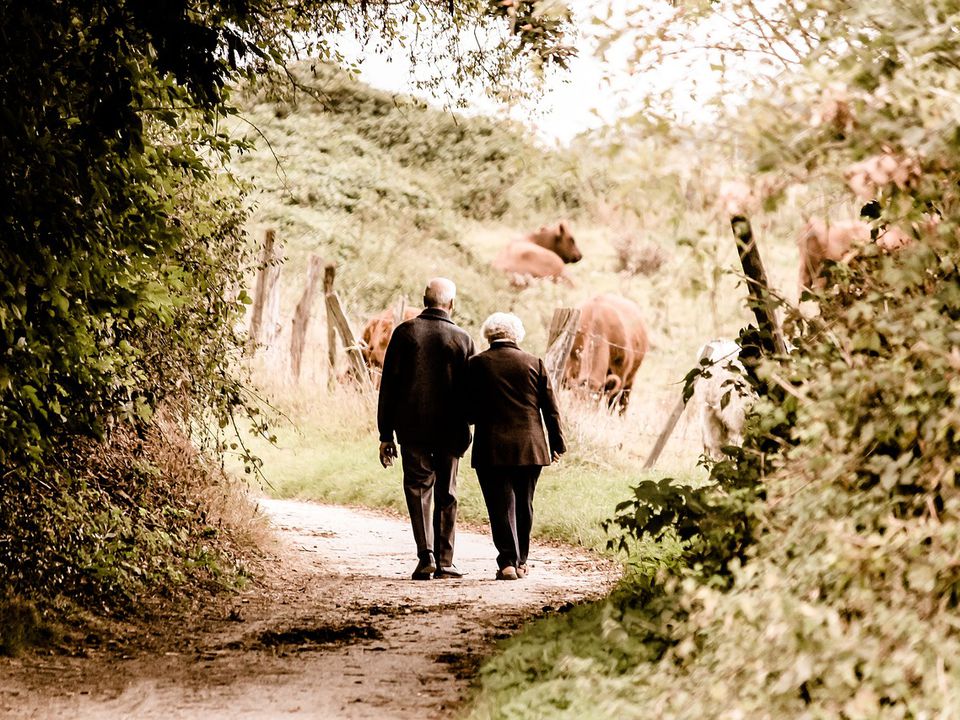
[507,391]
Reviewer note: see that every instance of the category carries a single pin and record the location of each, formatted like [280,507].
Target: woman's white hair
[503,326]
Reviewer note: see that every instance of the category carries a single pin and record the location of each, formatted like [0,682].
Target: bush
[123,252]
[137,514]
[637,257]
[21,625]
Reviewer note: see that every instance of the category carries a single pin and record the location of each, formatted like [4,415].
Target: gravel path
[336,629]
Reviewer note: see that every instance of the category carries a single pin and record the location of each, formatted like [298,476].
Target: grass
[326,450]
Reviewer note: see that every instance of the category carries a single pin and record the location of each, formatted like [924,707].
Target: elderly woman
[508,391]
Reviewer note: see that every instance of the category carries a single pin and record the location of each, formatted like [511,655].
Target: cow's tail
[613,385]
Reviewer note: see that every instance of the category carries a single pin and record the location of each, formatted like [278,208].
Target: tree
[122,245]
[839,578]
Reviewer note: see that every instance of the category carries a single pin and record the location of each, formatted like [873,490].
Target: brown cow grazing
[819,242]
[541,254]
[608,349]
[376,334]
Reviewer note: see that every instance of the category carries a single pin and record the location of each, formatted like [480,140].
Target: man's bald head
[440,293]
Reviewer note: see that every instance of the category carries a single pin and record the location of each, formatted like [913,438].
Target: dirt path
[336,630]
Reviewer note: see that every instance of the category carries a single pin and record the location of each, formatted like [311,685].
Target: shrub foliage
[123,254]
[817,571]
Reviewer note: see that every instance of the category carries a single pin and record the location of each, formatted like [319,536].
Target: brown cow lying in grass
[819,241]
[608,348]
[541,254]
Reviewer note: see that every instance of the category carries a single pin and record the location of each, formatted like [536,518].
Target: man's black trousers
[430,477]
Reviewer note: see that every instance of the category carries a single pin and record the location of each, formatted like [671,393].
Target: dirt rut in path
[336,629]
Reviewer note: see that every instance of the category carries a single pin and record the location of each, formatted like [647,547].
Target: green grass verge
[334,459]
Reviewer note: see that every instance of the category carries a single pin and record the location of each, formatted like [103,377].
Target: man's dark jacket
[507,390]
[421,391]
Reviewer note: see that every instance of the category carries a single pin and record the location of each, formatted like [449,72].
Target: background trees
[123,252]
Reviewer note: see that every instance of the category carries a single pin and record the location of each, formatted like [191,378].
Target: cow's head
[367,344]
[559,239]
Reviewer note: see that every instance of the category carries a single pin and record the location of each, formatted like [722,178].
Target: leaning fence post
[563,329]
[757,286]
[337,321]
[674,418]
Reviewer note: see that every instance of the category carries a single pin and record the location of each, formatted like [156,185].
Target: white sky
[593,92]
[572,101]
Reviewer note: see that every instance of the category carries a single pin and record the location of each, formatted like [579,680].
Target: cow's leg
[622,399]
[613,390]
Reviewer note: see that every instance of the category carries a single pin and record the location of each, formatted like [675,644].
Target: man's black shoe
[449,571]
[425,570]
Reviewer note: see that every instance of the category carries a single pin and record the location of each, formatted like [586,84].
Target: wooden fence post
[335,310]
[264,315]
[337,321]
[301,317]
[563,329]
[672,420]
[757,286]
[329,274]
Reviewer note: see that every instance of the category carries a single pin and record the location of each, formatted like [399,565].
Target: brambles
[638,257]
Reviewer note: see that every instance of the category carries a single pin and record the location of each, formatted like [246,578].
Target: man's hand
[556,456]
[388,452]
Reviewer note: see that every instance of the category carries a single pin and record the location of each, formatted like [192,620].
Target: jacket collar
[436,314]
[503,343]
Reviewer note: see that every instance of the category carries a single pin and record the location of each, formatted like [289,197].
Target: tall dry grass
[226,502]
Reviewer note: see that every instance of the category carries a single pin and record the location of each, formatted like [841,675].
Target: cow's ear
[562,228]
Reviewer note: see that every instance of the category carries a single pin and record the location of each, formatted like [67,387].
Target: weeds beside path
[336,629]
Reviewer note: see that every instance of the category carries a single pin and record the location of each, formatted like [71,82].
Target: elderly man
[421,394]
[508,392]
